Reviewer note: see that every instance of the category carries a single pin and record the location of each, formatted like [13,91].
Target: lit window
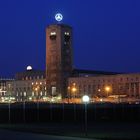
[24,93]
[53,33]
[67,33]
[41,93]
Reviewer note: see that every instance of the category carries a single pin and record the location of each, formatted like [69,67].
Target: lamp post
[68,94]
[74,89]
[36,89]
[9,104]
[23,100]
[85,99]
[107,89]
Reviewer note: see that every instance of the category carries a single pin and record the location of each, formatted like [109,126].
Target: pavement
[14,135]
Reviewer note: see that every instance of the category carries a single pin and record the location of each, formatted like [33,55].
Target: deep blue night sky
[106,33]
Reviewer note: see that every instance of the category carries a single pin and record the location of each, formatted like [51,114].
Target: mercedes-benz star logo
[58,17]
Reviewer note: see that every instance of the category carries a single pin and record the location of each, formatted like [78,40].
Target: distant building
[60,80]
[30,74]
[126,85]
[89,73]
[3,88]
[29,85]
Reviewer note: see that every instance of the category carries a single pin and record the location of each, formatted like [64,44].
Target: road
[14,135]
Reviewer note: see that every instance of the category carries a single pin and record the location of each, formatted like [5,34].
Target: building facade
[60,80]
[3,88]
[104,86]
[58,58]
[29,85]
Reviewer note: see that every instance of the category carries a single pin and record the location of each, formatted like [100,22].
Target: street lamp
[9,103]
[37,89]
[85,99]
[107,89]
[68,94]
[74,92]
[74,89]
[24,106]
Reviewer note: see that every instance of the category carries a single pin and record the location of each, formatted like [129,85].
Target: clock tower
[58,58]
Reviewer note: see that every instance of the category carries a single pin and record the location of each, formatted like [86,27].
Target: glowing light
[74,84]
[68,87]
[74,89]
[85,98]
[67,33]
[59,17]
[99,90]
[36,89]
[101,100]
[53,33]
[29,68]
[107,88]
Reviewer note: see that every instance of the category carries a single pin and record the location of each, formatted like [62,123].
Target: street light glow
[107,88]
[74,89]
[85,98]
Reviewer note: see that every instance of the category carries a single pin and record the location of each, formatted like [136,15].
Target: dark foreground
[106,131]
[7,135]
[43,112]
[105,121]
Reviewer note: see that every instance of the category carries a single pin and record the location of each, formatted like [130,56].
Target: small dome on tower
[29,68]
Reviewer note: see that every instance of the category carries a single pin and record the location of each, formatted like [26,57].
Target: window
[53,90]
[53,35]
[24,93]
[121,79]
[67,33]
[41,93]
[66,36]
